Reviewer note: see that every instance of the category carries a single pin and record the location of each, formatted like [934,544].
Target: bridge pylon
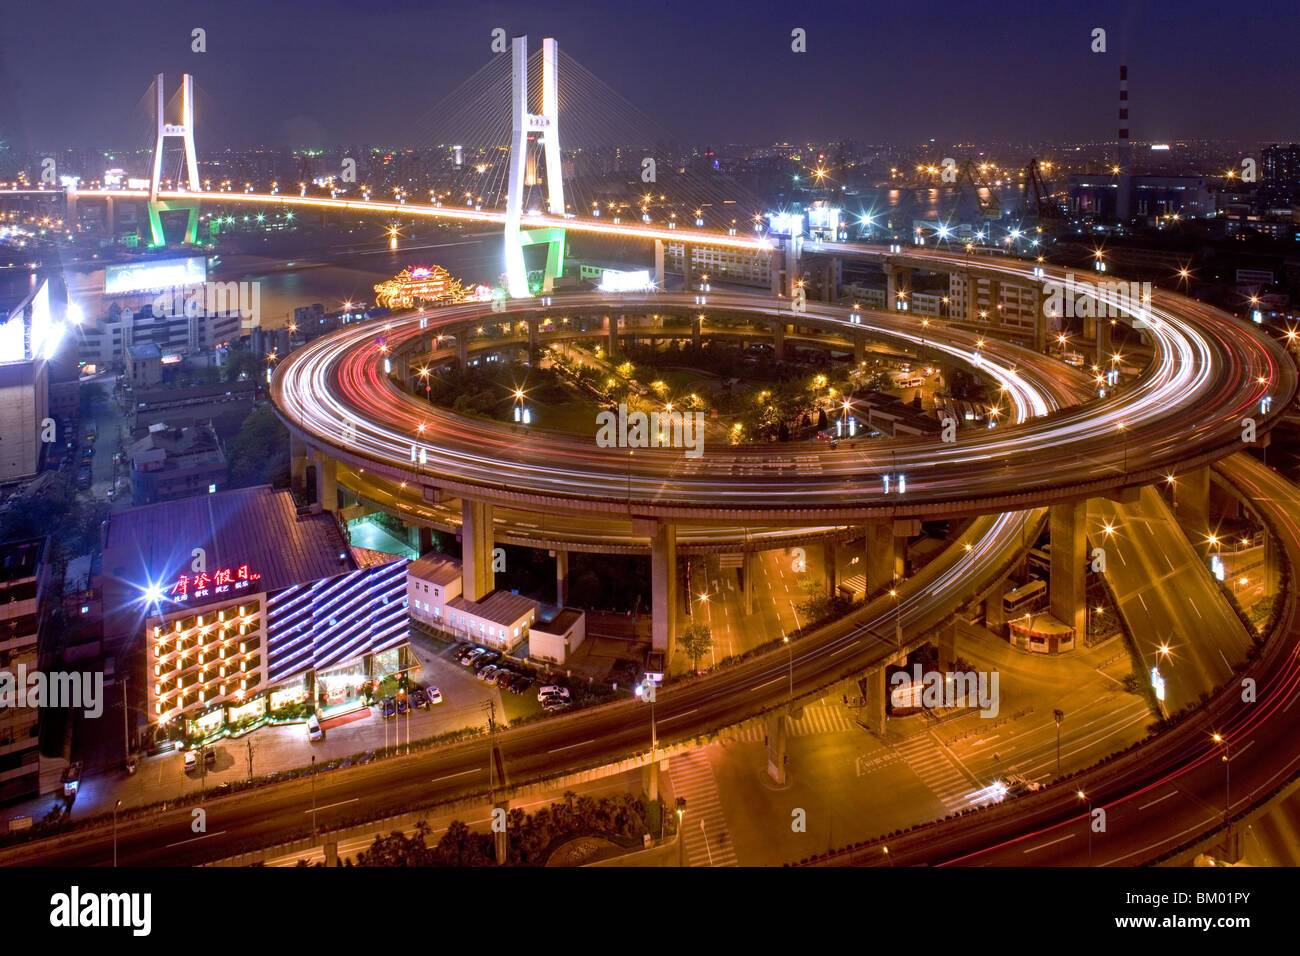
[184,131]
[547,125]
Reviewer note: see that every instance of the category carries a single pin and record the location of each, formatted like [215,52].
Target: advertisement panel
[155,275]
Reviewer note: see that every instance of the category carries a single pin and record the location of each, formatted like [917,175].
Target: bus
[1025,599]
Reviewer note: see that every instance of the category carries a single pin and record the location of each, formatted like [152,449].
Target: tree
[821,419]
[259,452]
[243,365]
[696,641]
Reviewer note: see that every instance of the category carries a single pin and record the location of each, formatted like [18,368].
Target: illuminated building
[412,285]
[28,337]
[249,610]
[24,581]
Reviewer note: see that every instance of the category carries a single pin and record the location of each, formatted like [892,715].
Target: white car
[435,695]
[487,673]
[552,690]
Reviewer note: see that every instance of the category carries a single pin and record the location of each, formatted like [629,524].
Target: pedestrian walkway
[930,761]
[819,717]
[707,841]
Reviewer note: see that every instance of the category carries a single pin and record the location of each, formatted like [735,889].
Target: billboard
[155,275]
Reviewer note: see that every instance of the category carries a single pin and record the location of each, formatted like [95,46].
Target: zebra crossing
[707,841]
[818,718]
[938,771]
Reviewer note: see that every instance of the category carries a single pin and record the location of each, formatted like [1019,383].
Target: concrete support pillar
[462,346]
[873,712]
[831,280]
[972,299]
[561,577]
[476,537]
[611,334]
[774,269]
[994,610]
[500,837]
[688,267]
[832,579]
[775,725]
[650,779]
[778,339]
[1103,344]
[946,644]
[1272,566]
[859,350]
[532,339]
[663,585]
[1040,320]
[697,325]
[891,288]
[747,581]
[881,557]
[659,263]
[995,300]
[1192,505]
[420,539]
[297,461]
[1068,587]
[327,489]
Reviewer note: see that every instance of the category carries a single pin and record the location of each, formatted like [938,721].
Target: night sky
[282,72]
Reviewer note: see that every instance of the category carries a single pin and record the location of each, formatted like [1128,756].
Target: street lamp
[1227,788]
[1058,716]
[1087,799]
[681,835]
[790,649]
[116,807]
[313,796]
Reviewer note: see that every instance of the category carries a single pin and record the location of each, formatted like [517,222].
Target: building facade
[24,582]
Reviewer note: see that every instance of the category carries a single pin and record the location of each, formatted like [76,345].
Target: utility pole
[1058,716]
[126,733]
[313,796]
[250,758]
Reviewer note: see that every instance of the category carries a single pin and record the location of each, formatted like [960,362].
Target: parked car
[521,684]
[403,705]
[435,695]
[314,733]
[468,655]
[552,690]
[419,697]
[487,673]
[476,657]
[503,677]
[388,708]
[554,704]
[487,660]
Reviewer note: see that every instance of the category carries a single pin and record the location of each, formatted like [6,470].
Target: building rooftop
[255,528]
[563,621]
[436,569]
[146,351]
[21,559]
[500,607]
[369,558]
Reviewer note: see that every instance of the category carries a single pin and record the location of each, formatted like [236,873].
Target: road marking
[678,716]
[333,805]
[452,776]
[1040,846]
[1154,802]
[194,839]
[760,686]
[571,746]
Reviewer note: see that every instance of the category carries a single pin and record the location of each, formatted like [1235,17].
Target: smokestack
[1123,185]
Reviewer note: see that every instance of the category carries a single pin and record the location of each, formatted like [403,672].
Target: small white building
[554,640]
[500,620]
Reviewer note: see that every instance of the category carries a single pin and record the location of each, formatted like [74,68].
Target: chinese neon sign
[203,585]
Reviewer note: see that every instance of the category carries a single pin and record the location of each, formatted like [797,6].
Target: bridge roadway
[1168,792]
[1186,410]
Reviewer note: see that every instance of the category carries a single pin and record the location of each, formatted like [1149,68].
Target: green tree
[259,452]
[243,365]
[696,641]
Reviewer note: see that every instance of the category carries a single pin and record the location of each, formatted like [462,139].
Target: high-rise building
[28,337]
[24,580]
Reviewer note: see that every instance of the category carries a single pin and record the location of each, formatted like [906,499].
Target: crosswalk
[938,771]
[707,841]
[818,718]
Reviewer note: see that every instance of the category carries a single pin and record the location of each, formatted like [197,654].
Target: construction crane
[970,182]
[1038,202]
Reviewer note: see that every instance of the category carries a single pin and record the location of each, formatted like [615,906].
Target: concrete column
[297,461]
[420,539]
[831,280]
[697,325]
[611,333]
[778,339]
[532,339]
[327,489]
[1103,344]
[650,779]
[747,581]
[774,269]
[561,577]
[994,610]
[946,644]
[659,263]
[776,746]
[1192,505]
[859,350]
[832,580]
[972,299]
[476,537]
[1271,565]
[891,288]
[688,267]
[995,299]
[663,585]
[1068,586]
[462,346]
[1040,321]
[881,557]
[501,838]
[873,713]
